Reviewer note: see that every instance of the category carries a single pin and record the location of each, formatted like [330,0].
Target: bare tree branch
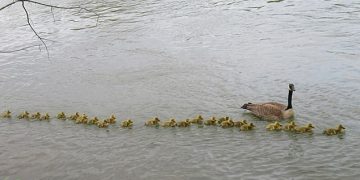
[51,9]
[62,7]
[8,5]
[28,21]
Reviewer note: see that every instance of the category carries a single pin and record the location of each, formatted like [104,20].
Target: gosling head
[291,87]
[252,125]
[341,126]
[310,125]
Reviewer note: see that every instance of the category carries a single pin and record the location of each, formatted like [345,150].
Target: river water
[171,58]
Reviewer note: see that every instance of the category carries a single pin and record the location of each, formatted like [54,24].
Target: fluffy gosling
[276,126]
[290,126]
[74,116]
[153,122]
[111,119]
[24,115]
[169,123]
[227,124]
[185,123]
[36,115]
[94,120]
[226,118]
[6,114]
[247,127]
[45,117]
[305,129]
[61,116]
[197,120]
[211,122]
[127,123]
[240,123]
[334,131]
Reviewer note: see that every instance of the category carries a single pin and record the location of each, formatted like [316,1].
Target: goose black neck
[289,100]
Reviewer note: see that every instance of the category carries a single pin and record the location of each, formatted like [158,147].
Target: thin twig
[16,50]
[62,7]
[28,20]
[51,9]
[8,5]
[46,5]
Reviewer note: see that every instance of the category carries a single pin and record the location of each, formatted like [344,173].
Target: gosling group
[224,122]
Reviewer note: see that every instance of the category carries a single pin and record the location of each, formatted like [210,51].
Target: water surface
[179,59]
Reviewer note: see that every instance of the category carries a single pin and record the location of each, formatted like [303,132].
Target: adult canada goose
[273,110]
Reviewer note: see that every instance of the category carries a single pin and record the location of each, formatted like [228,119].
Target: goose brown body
[272,110]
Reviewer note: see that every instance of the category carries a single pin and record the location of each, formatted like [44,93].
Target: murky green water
[178,59]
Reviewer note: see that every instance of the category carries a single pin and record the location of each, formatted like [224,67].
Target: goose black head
[291,87]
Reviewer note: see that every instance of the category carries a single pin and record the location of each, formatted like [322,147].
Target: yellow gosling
[82,119]
[227,124]
[6,114]
[61,116]
[102,124]
[127,123]
[211,122]
[185,123]
[45,117]
[290,126]
[24,115]
[240,123]
[111,119]
[78,120]
[197,120]
[74,116]
[226,118]
[276,126]
[153,122]
[169,123]
[334,131]
[94,120]
[247,127]
[36,115]
[85,120]
[308,128]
